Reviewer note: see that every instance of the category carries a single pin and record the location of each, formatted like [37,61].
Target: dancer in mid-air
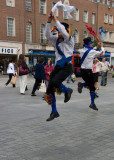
[88,53]
[64,44]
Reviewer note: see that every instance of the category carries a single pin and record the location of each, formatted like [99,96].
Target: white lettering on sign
[6,50]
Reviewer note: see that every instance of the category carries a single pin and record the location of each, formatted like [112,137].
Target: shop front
[33,56]
[6,54]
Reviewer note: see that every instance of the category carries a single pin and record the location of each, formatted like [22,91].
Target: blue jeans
[103,78]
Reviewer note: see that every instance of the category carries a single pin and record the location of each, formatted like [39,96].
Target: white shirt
[67,46]
[105,66]
[88,61]
[10,68]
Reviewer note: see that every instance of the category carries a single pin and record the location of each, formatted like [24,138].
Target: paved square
[78,134]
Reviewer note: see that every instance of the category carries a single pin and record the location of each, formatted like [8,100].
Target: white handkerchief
[67,9]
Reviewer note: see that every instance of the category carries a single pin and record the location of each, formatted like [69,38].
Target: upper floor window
[29,32]
[110,36]
[10,3]
[103,1]
[85,34]
[93,18]
[28,5]
[98,1]
[85,17]
[92,38]
[56,11]
[11,27]
[76,37]
[105,18]
[43,39]
[112,4]
[43,6]
[108,2]
[76,15]
[110,19]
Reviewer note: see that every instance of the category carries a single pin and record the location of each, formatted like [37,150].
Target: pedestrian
[64,51]
[104,70]
[48,69]
[96,70]
[23,72]
[10,72]
[39,75]
[88,53]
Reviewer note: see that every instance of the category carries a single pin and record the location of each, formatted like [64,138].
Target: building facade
[22,26]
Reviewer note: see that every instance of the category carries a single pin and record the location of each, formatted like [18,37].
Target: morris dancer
[88,53]
[64,52]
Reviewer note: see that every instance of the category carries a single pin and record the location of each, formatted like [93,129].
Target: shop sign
[7,50]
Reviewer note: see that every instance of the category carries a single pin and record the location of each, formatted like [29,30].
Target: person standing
[10,71]
[104,71]
[96,70]
[39,75]
[88,53]
[64,51]
[23,72]
[48,69]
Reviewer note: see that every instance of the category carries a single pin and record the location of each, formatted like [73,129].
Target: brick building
[22,25]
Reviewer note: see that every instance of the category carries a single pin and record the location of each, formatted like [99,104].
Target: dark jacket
[40,72]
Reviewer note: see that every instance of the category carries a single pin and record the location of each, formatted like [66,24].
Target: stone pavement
[78,134]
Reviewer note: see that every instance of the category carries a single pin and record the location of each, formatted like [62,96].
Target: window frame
[29,40]
[14,32]
[9,2]
[45,7]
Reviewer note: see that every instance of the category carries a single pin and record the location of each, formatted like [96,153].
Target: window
[110,36]
[85,17]
[92,38]
[106,36]
[108,2]
[105,18]
[110,19]
[56,11]
[85,34]
[11,27]
[28,5]
[29,32]
[43,6]
[112,4]
[76,15]
[103,2]
[64,15]
[98,1]
[76,37]
[42,34]
[93,18]
[10,3]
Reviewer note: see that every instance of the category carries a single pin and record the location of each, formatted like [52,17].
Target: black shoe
[52,116]
[68,95]
[93,106]
[33,94]
[80,86]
